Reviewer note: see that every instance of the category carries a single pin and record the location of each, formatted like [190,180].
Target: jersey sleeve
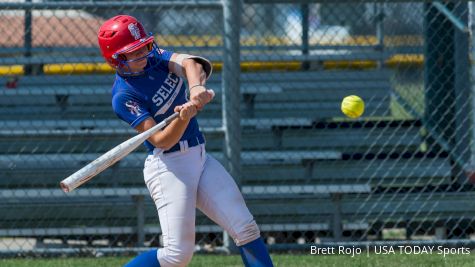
[165,57]
[129,109]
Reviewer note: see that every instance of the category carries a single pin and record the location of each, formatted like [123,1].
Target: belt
[199,139]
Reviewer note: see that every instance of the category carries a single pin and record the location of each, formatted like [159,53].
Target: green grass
[298,260]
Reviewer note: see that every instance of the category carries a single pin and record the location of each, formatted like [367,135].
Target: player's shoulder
[122,92]
[165,54]
[120,86]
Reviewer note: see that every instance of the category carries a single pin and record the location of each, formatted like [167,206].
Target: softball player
[180,175]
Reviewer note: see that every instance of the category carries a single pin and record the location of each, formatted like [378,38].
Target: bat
[92,169]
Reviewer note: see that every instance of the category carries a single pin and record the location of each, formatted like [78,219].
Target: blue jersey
[153,94]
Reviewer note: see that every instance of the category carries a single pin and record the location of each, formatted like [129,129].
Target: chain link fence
[402,172]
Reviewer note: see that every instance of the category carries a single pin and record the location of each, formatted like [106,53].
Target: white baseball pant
[179,182]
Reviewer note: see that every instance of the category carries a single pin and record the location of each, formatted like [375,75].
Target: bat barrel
[110,157]
[65,187]
[77,179]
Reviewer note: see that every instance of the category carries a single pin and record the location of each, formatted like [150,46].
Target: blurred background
[401,173]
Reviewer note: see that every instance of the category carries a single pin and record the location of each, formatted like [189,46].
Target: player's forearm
[169,136]
[194,72]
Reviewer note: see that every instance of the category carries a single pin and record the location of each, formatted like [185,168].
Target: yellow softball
[352,106]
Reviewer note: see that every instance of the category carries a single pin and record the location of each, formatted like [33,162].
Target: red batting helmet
[121,34]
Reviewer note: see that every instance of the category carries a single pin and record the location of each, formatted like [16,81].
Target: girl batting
[180,175]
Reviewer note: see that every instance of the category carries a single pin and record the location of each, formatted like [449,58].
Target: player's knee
[246,233]
[174,256]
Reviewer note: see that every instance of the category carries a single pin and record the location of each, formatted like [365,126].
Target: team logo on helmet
[133,107]
[134,30]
